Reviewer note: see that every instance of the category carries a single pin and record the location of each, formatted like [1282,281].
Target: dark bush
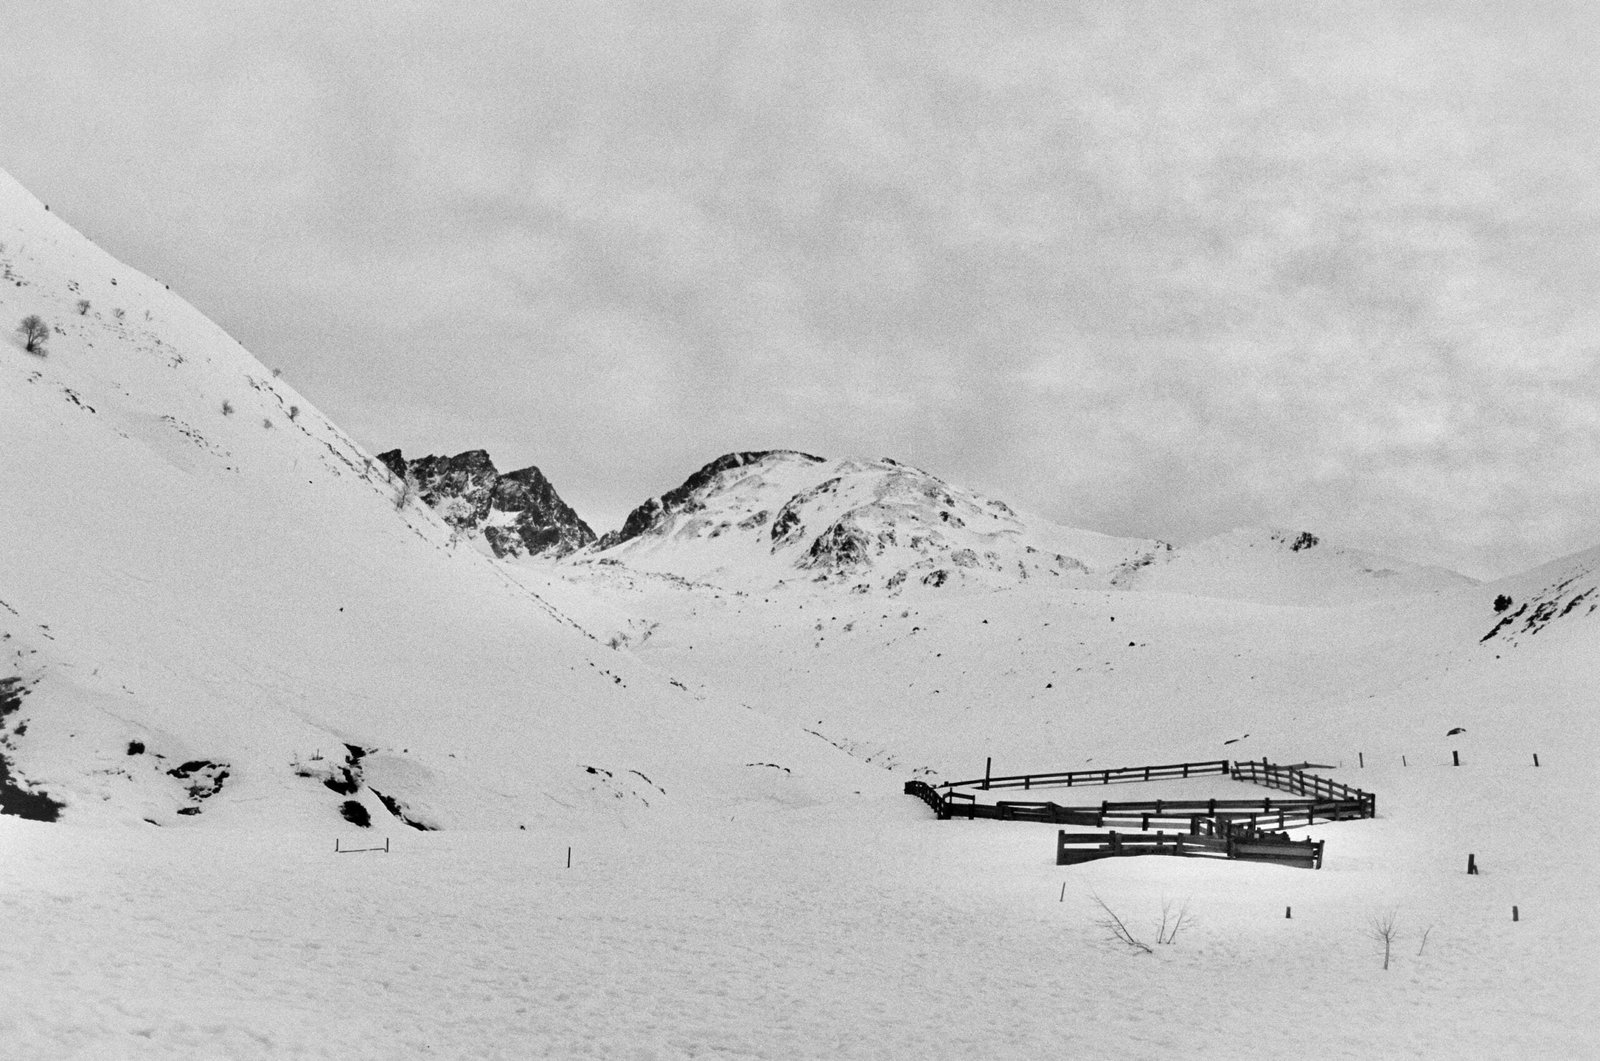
[1502,602]
[355,813]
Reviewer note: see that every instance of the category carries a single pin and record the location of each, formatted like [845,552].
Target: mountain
[759,518]
[216,607]
[516,513]
[866,525]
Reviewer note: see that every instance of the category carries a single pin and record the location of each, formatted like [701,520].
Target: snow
[850,931]
[723,743]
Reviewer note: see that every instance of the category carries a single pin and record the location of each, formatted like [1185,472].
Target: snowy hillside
[214,609]
[1281,567]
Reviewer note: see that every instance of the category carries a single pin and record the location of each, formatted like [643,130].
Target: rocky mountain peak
[691,496]
[775,515]
[517,513]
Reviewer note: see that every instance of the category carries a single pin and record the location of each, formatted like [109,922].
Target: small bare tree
[1384,928]
[34,332]
[1424,943]
[83,307]
[1118,928]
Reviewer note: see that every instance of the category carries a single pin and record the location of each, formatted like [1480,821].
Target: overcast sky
[1154,269]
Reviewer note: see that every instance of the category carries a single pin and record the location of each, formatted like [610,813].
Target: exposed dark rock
[15,799]
[11,691]
[401,811]
[841,545]
[205,780]
[342,782]
[518,513]
[686,498]
[355,813]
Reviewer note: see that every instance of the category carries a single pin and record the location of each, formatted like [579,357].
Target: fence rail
[1118,775]
[1292,779]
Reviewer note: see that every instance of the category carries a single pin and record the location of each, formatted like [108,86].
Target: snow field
[866,930]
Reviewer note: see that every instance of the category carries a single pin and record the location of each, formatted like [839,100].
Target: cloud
[1157,269]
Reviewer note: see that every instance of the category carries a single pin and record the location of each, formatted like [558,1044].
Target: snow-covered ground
[225,624]
[860,929]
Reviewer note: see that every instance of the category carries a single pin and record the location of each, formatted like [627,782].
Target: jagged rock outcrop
[689,497]
[518,513]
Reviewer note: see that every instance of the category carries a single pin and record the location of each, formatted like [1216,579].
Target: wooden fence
[1215,828]
[1119,775]
[1292,779]
[1246,846]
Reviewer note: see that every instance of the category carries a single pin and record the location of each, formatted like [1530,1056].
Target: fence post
[1456,757]
[1472,865]
[1535,758]
[986,764]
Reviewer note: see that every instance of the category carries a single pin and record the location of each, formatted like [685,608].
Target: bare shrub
[294,412]
[227,407]
[1118,928]
[83,307]
[34,333]
[1172,921]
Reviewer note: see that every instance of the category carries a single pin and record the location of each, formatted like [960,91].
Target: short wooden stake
[1535,758]
[1403,761]
[1063,892]
[1514,913]
[1288,913]
[1472,865]
[1456,757]
[988,762]
[569,857]
[1361,760]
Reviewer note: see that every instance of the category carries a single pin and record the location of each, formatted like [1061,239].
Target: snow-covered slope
[1281,567]
[212,604]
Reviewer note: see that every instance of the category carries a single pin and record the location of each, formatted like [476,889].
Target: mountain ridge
[516,513]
